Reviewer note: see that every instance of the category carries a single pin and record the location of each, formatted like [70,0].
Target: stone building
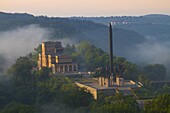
[52,57]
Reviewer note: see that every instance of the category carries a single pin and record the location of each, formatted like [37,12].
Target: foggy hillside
[72,30]
[20,42]
[144,39]
[155,28]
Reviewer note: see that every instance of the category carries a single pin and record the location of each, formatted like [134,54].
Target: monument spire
[110,55]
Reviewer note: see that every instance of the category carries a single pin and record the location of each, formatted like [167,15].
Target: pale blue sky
[86,7]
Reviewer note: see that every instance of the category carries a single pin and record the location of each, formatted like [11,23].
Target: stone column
[76,67]
[63,68]
[53,69]
[67,68]
[59,69]
[71,66]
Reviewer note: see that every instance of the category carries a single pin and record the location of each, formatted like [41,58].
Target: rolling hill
[142,39]
[76,30]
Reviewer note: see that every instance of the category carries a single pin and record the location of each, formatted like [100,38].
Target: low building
[52,57]
[96,88]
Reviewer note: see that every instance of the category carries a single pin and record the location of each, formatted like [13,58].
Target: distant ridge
[15,13]
[157,15]
[129,31]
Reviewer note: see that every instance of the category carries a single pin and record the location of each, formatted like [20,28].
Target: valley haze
[136,38]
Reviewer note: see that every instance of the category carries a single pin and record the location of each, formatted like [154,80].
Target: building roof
[94,84]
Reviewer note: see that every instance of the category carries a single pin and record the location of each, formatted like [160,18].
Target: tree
[5,91]
[92,56]
[62,90]
[144,80]
[23,81]
[159,105]
[43,74]
[155,72]
[116,104]
[33,56]
[130,69]
[69,50]
[166,89]
[77,97]
[46,90]
[21,71]
[73,48]
[14,107]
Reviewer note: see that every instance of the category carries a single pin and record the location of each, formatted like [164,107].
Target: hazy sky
[86,7]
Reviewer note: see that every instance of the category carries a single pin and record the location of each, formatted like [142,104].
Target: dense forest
[24,89]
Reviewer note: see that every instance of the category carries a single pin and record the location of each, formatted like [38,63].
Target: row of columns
[66,68]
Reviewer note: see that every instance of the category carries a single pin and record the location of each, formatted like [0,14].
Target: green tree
[21,71]
[165,89]
[23,80]
[73,48]
[116,104]
[76,97]
[92,56]
[46,90]
[14,107]
[62,90]
[5,91]
[159,105]
[43,74]
[33,56]
[155,72]
[130,69]
[69,50]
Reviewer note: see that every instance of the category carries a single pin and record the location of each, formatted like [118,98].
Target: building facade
[52,56]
